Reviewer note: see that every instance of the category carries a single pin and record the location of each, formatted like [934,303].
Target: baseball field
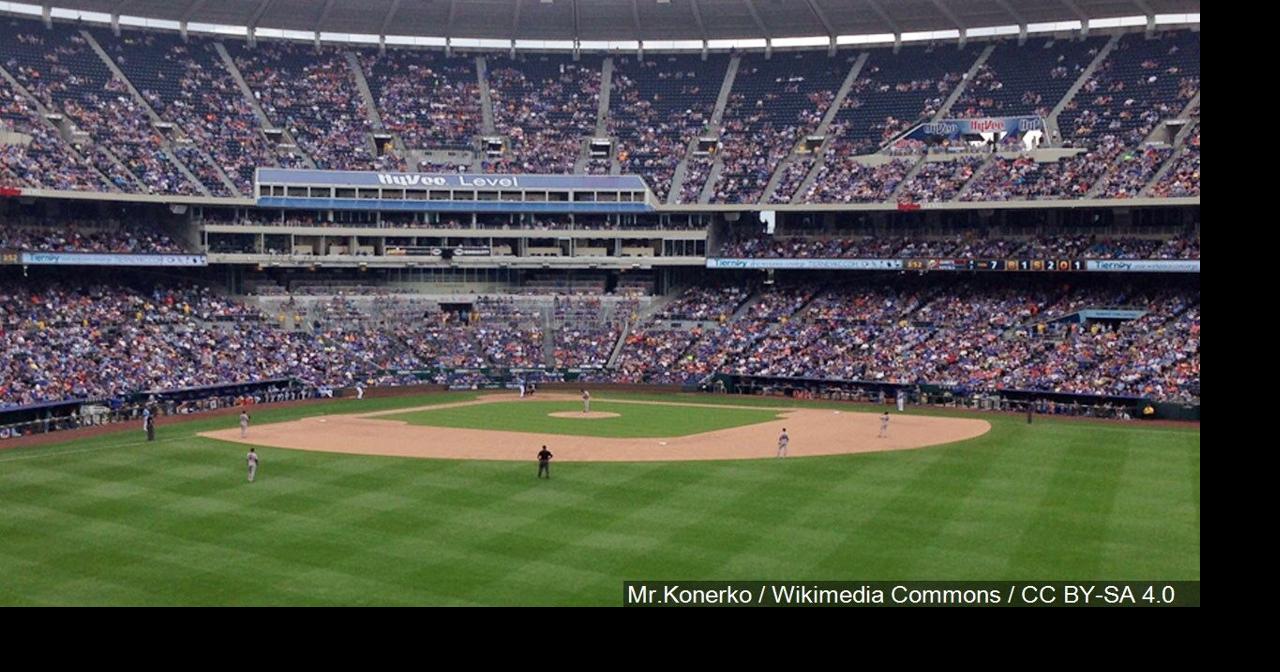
[433,500]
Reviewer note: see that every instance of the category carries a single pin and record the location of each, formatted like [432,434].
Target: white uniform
[244,425]
[884,425]
[253,465]
[586,402]
[359,392]
[783,442]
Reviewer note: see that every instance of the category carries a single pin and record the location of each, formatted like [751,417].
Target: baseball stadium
[532,302]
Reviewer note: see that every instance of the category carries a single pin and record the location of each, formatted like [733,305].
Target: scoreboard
[995,264]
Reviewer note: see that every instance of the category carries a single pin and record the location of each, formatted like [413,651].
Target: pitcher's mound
[579,415]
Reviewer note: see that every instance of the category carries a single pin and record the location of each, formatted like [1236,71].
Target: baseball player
[884,425]
[244,424]
[253,464]
[544,462]
[783,442]
[586,401]
[359,391]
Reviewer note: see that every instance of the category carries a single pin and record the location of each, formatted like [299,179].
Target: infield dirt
[812,432]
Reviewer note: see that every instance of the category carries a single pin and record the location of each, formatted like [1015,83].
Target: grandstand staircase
[155,119]
[722,100]
[1050,131]
[602,115]
[657,304]
[973,179]
[486,98]
[919,165]
[783,166]
[964,83]
[1192,105]
[951,99]
[825,127]
[623,333]
[70,146]
[548,340]
[677,178]
[742,308]
[606,92]
[371,106]
[842,93]
[713,178]
[1084,77]
[776,177]
[1179,141]
[230,64]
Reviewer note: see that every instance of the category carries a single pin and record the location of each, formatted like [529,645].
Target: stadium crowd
[963,247]
[60,340]
[86,236]
[545,105]
[1028,335]
[428,99]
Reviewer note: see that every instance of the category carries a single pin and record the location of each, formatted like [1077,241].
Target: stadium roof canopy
[620,20]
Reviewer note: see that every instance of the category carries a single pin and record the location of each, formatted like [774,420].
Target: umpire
[544,462]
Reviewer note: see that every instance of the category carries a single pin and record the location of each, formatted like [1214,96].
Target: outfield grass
[115,520]
[633,421]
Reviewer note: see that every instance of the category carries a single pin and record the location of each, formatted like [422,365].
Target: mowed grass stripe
[634,421]
[173,522]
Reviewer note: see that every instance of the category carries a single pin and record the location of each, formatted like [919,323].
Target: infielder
[253,464]
[783,442]
[586,401]
[884,425]
[244,424]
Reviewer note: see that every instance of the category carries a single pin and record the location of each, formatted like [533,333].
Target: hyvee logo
[416,180]
[986,125]
[411,180]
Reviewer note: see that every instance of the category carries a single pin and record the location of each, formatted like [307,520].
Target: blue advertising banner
[356,179]
[94,259]
[372,205]
[815,264]
[1145,265]
[954,128]
[1096,265]
[1110,314]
